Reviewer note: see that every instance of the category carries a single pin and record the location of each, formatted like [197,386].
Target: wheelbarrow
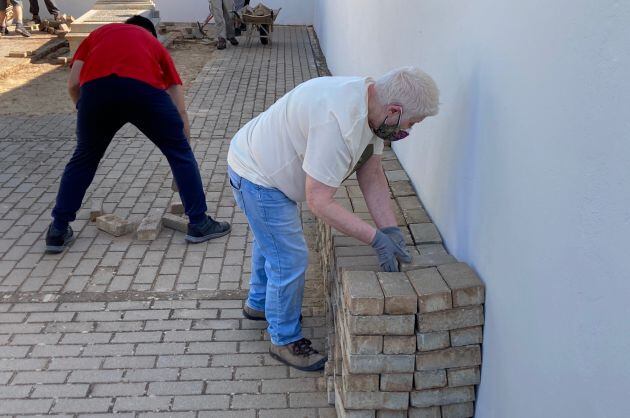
[259,20]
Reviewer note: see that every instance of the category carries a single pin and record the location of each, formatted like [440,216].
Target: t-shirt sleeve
[327,158]
[83,50]
[170,74]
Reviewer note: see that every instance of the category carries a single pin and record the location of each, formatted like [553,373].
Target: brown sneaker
[221,43]
[300,355]
[253,314]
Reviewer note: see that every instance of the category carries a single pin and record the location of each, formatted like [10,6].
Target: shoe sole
[258,318]
[56,249]
[197,240]
[312,368]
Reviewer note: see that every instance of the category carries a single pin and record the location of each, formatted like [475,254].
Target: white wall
[294,12]
[526,173]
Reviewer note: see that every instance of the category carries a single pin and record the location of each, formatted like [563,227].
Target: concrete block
[362,293]
[432,291]
[451,319]
[175,222]
[381,325]
[96,210]
[341,410]
[150,227]
[400,297]
[176,208]
[362,263]
[174,186]
[428,260]
[365,344]
[383,413]
[430,379]
[459,410]
[466,336]
[402,188]
[430,412]
[409,202]
[395,344]
[449,358]
[425,233]
[114,225]
[379,363]
[464,377]
[443,396]
[397,382]
[416,216]
[427,249]
[359,382]
[428,341]
[466,287]
[376,400]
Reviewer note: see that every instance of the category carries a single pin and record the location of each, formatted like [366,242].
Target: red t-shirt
[127,51]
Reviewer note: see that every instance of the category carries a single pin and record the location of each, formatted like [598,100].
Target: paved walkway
[117,325]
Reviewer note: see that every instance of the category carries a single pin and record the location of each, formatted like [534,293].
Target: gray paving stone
[187,403]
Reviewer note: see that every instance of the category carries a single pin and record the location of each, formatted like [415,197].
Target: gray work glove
[389,244]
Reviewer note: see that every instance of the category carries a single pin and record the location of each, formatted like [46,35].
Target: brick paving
[138,328]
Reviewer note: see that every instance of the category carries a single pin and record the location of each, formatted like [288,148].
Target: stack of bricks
[400,344]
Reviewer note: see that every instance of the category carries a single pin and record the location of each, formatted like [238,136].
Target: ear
[394,109]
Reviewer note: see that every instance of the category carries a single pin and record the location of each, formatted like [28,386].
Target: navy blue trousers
[106,104]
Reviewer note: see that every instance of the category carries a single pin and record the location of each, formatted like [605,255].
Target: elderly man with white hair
[301,149]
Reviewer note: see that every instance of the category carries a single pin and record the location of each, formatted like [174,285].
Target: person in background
[122,74]
[50,6]
[222,12]
[17,18]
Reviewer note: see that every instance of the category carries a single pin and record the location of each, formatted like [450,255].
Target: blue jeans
[279,257]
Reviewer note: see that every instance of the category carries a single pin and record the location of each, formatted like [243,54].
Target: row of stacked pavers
[408,344]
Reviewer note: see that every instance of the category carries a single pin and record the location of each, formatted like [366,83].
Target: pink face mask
[391,132]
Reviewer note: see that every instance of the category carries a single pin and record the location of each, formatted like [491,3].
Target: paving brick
[25,406]
[400,297]
[115,225]
[399,344]
[155,375]
[460,410]
[189,360]
[176,208]
[227,387]
[449,358]
[188,403]
[175,388]
[129,362]
[263,372]
[288,413]
[98,350]
[376,400]
[264,401]
[175,222]
[363,293]
[215,347]
[95,376]
[150,226]
[87,338]
[396,382]
[359,382]
[381,325]
[464,377]
[380,363]
[153,403]
[430,379]
[82,405]
[427,341]
[443,396]
[306,400]
[467,317]
[220,360]
[466,287]
[60,391]
[8,392]
[466,336]
[429,412]
[178,336]
[75,363]
[96,209]
[22,364]
[39,377]
[118,389]
[304,384]
[433,292]
[13,352]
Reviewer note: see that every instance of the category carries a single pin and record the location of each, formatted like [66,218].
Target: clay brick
[459,410]
[176,208]
[362,293]
[425,233]
[175,222]
[443,396]
[394,344]
[466,336]
[96,210]
[469,316]
[449,358]
[397,382]
[150,227]
[381,325]
[464,377]
[376,400]
[466,287]
[428,341]
[430,379]
[114,225]
[400,298]
[431,412]
[432,291]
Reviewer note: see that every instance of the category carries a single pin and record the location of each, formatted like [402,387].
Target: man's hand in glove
[389,244]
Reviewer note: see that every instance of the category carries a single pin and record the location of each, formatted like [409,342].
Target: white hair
[411,88]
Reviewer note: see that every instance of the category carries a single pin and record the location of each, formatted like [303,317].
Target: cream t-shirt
[319,128]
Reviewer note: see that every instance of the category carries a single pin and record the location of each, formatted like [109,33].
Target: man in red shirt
[122,74]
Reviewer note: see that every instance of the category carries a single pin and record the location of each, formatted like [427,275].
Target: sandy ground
[40,88]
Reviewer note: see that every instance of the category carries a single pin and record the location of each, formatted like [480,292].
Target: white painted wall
[526,173]
[294,12]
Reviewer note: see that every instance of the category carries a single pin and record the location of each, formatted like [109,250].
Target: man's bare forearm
[342,220]
[375,189]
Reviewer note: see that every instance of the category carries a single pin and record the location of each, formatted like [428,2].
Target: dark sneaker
[253,314]
[36,19]
[300,355]
[209,229]
[57,241]
[22,31]
[4,31]
[233,41]
[221,43]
